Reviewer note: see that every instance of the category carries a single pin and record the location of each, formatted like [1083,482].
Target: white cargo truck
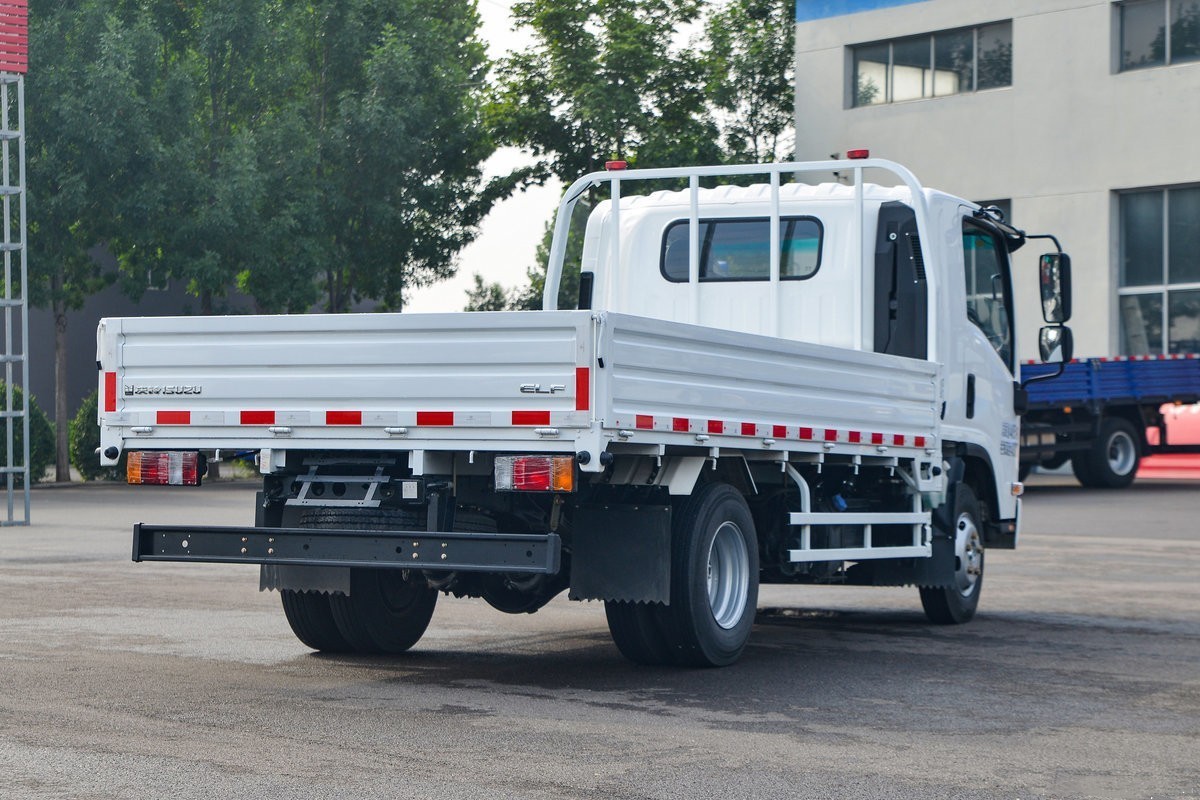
[778,382]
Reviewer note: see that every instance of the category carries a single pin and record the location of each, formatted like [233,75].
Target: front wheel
[956,603]
[714,578]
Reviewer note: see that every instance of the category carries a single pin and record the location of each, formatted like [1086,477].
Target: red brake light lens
[855,155]
[163,468]
[535,473]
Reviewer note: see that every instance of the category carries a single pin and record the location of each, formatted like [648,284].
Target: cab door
[983,404]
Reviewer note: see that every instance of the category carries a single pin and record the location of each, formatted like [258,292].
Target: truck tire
[637,633]
[714,579]
[956,604]
[311,619]
[388,609]
[1113,460]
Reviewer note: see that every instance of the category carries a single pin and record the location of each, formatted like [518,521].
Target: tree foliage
[41,436]
[603,81]
[750,46]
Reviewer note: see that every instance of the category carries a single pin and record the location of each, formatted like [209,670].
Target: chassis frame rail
[538,554]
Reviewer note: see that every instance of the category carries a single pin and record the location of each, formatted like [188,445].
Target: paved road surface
[1079,679]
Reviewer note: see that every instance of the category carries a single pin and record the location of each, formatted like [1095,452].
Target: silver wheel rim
[968,552]
[728,575]
[1122,453]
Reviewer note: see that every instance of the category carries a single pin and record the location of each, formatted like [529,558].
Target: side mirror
[1056,344]
[1054,270]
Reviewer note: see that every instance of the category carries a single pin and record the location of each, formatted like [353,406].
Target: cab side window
[988,292]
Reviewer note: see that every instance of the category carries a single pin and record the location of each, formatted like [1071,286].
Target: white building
[1081,117]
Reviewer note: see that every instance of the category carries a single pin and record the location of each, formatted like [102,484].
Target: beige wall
[1058,142]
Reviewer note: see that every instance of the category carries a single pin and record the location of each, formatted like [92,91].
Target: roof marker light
[616,165]
[855,155]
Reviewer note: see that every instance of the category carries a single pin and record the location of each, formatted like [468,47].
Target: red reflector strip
[583,388]
[749,429]
[716,426]
[855,437]
[679,424]
[919,441]
[435,417]
[898,440]
[174,418]
[343,418]
[830,435]
[643,422]
[110,391]
[806,433]
[258,417]
[531,418]
[876,438]
[779,431]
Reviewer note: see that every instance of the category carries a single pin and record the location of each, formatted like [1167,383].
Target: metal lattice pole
[15,301]
[14,61]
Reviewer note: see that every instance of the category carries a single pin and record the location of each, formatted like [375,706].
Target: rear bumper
[426,550]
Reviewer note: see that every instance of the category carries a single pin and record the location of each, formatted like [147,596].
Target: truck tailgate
[248,381]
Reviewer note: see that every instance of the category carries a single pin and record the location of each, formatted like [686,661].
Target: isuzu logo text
[177,389]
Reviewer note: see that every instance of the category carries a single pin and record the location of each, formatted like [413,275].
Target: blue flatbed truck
[1095,414]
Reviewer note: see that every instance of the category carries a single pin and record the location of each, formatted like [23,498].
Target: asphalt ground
[1079,678]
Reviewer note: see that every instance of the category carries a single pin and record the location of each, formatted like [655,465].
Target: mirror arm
[1050,236]
[1062,367]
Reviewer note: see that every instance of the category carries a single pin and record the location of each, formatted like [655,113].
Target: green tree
[41,436]
[486,296]
[602,81]
[323,148]
[91,157]
[750,46]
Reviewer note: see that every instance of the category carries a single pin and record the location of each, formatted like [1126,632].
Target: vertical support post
[775,315]
[694,246]
[859,253]
[615,264]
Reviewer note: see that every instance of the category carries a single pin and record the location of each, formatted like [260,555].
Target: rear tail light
[164,468]
[535,473]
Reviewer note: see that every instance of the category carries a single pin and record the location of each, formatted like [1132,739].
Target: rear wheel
[956,604]
[311,619]
[714,579]
[1113,460]
[637,633]
[387,610]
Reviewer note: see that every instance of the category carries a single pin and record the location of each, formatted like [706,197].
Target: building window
[1160,271]
[740,249]
[933,64]
[1159,32]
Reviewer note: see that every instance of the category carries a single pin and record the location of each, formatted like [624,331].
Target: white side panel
[667,370]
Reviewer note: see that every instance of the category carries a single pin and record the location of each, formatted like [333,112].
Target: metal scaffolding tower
[14,40]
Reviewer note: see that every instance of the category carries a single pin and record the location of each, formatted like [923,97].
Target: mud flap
[621,552]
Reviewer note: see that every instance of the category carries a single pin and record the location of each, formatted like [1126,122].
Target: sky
[509,236]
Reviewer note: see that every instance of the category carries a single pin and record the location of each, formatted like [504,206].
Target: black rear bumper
[426,550]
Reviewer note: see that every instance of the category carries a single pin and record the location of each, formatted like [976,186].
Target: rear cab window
[740,249]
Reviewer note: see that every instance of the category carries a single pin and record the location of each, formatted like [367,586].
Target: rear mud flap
[622,552]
